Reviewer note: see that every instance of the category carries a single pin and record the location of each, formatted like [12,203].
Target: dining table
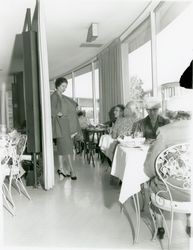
[107,145]
[127,165]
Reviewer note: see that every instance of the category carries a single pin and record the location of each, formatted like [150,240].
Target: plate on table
[132,142]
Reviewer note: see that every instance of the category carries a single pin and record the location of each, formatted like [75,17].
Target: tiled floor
[81,214]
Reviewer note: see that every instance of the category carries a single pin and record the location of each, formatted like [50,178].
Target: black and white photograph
[96,142]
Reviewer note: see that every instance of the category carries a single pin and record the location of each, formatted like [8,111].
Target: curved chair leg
[16,183]
[5,191]
[171,230]
[7,204]
[19,181]
[9,189]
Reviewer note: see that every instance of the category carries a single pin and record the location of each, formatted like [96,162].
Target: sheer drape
[110,79]
[48,160]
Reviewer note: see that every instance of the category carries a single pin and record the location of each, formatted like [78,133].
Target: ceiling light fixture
[92,32]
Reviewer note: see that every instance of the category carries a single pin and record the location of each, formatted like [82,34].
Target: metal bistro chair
[173,168]
[4,159]
[89,145]
[14,170]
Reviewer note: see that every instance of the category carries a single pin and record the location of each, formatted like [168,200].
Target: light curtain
[110,79]
[47,145]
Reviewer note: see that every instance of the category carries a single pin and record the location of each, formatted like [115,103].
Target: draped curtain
[48,159]
[110,79]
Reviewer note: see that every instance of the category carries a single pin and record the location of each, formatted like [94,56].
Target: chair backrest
[4,156]
[4,149]
[21,145]
[173,166]
[17,148]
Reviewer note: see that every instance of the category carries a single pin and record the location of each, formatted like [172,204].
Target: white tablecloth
[127,165]
[107,145]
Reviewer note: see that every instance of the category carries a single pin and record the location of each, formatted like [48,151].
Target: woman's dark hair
[121,106]
[59,81]
[81,113]
[111,112]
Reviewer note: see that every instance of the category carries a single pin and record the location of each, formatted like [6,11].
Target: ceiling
[67,23]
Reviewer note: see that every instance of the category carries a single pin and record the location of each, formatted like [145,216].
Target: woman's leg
[61,166]
[72,171]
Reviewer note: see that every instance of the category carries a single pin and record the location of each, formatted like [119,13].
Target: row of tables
[128,166]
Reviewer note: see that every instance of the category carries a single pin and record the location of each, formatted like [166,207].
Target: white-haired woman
[124,125]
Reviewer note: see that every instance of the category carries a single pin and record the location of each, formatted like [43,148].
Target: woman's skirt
[64,145]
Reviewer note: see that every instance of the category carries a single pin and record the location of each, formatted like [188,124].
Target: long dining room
[95,124]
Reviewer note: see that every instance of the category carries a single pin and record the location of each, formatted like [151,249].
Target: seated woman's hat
[152,102]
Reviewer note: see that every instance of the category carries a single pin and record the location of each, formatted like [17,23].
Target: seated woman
[124,124]
[122,127]
[179,131]
[114,113]
[152,121]
[107,143]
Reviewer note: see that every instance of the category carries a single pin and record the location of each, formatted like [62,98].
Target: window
[140,66]
[83,93]
[175,47]
[68,91]
[97,93]
[139,58]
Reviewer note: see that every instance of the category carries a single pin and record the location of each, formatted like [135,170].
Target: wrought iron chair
[91,143]
[173,168]
[13,169]
[4,159]
[89,146]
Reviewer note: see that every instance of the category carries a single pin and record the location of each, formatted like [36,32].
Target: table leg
[137,211]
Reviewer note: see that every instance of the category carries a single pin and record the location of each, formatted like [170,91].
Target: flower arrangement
[136,91]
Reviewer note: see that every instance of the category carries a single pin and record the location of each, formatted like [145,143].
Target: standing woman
[65,125]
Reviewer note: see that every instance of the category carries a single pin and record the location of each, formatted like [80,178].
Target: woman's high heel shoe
[73,177]
[160,232]
[60,173]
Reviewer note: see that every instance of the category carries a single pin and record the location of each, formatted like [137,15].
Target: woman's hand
[59,114]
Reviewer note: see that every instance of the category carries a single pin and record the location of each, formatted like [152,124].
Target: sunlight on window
[83,85]
[175,48]
[83,93]
[97,83]
[140,65]
[97,94]
[68,91]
